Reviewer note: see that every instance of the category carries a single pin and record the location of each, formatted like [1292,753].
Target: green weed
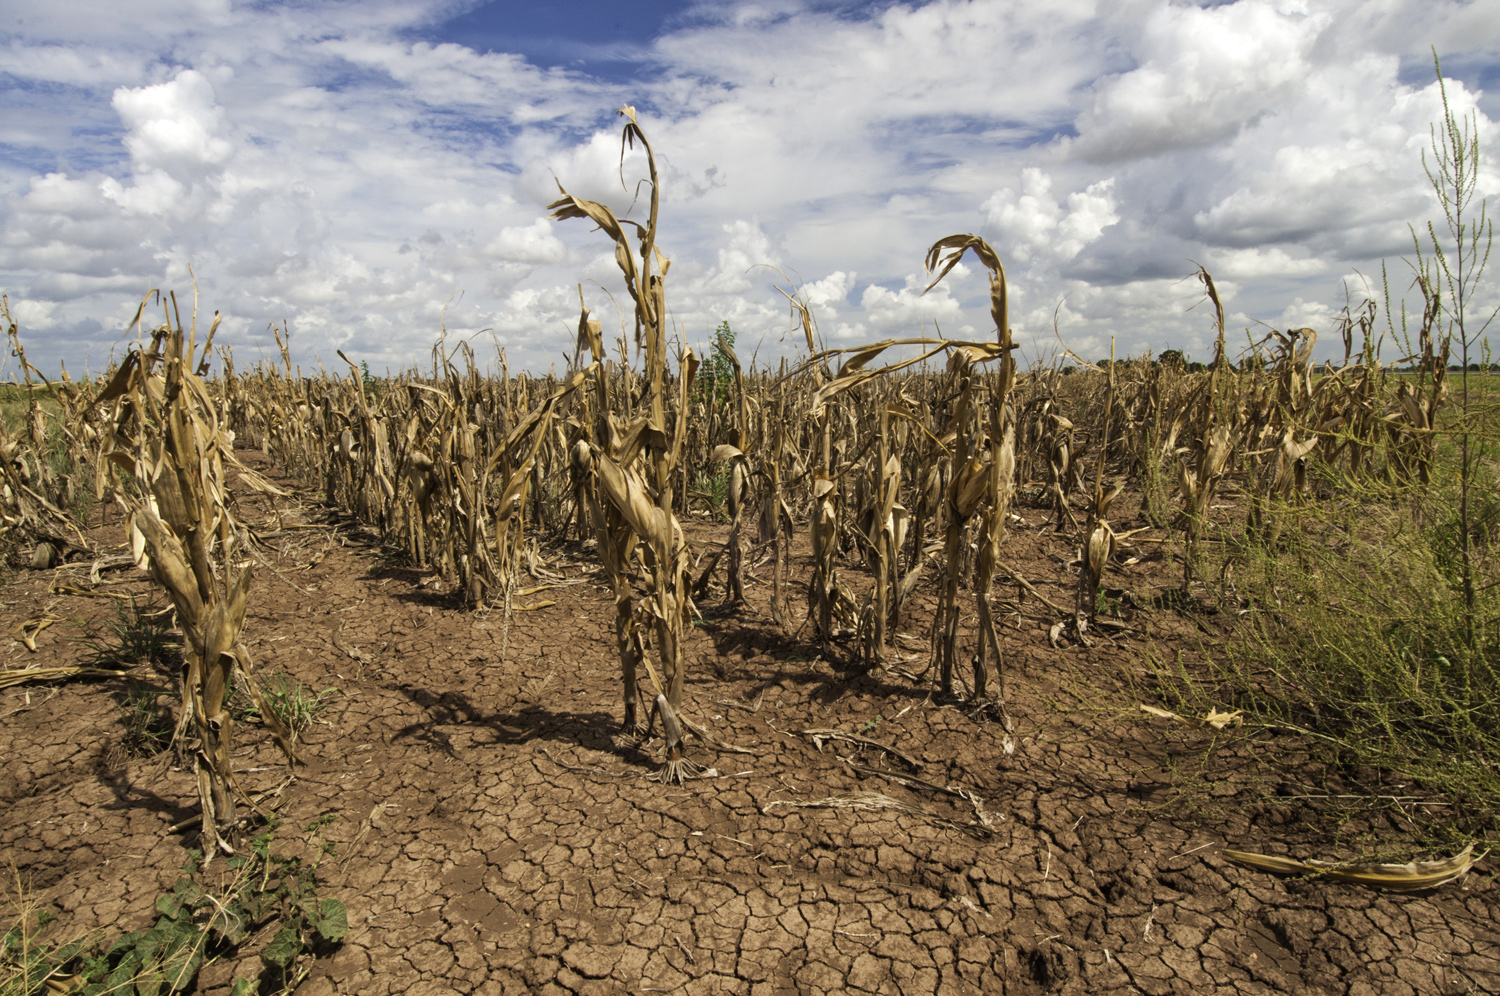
[137,636]
[148,723]
[1355,628]
[295,705]
[204,917]
[712,488]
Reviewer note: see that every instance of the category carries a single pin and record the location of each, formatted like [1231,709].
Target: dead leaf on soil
[548,586]
[29,629]
[818,736]
[1410,877]
[1216,719]
[9,679]
[59,588]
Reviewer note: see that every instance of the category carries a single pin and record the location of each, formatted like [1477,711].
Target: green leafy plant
[1355,628]
[713,490]
[716,379]
[288,886]
[197,922]
[720,368]
[1450,267]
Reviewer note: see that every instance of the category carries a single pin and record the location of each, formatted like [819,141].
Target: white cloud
[1249,264]
[72,64]
[329,166]
[56,193]
[1332,181]
[174,126]
[1305,314]
[33,314]
[532,243]
[746,246]
[908,311]
[1204,73]
[153,192]
[830,293]
[1033,223]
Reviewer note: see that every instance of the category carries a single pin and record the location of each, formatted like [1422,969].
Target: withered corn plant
[831,602]
[984,475]
[1098,537]
[1202,463]
[774,522]
[37,496]
[169,450]
[633,460]
[444,467]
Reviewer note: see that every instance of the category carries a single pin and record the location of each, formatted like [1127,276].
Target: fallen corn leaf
[1410,877]
[21,676]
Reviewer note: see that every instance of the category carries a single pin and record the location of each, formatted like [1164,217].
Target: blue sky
[375,172]
[607,40]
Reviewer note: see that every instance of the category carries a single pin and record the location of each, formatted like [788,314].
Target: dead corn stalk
[633,465]
[167,440]
[982,482]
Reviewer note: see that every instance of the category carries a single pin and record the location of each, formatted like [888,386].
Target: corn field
[892,473]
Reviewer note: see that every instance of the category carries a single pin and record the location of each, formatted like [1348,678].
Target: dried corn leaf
[1410,877]
[67,589]
[21,676]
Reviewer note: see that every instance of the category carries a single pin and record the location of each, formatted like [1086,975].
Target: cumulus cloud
[1332,183]
[34,314]
[1305,314]
[908,311]
[1204,73]
[533,243]
[344,169]
[746,246]
[830,293]
[174,126]
[1273,261]
[1033,223]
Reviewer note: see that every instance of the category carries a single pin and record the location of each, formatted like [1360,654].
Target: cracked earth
[493,837]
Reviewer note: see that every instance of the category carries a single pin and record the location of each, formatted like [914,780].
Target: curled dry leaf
[1216,719]
[29,629]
